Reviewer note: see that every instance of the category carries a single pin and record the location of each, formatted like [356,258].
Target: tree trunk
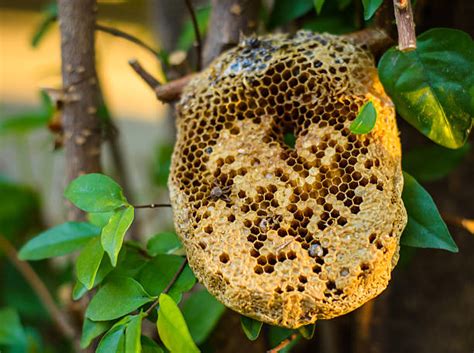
[82,128]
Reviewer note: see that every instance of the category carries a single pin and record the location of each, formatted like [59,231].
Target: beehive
[288,234]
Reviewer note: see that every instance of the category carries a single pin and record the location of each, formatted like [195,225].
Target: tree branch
[405,25]
[376,39]
[59,317]
[168,287]
[121,34]
[465,223]
[82,128]
[197,34]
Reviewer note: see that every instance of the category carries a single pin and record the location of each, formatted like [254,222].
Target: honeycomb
[288,233]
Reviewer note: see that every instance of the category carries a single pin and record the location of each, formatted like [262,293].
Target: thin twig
[153,205]
[168,287]
[59,317]
[145,75]
[196,33]
[121,34]
[283,343]
[405,25]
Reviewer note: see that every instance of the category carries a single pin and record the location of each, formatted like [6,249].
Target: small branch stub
[405,25]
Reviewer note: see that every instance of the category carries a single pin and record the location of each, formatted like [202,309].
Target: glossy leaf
[59,240]
[433,162]
[88,262]
[285,11]
[370,7]
[202,313]
[172,328]
[365,119]
[307,331]
[95,193]
[166,266]
[116,298]
[133,333]
[91,330]
[425,227]
[113,341]
[113,233]
[251,327]
[318,5]
[432,86]
[164,243]
[11,330]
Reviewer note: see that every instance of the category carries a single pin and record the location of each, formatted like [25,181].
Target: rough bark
[229,20]
[82,128]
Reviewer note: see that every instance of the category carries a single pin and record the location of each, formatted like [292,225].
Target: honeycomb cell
[280,207]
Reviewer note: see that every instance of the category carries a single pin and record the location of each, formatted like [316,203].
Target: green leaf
[88,262]
[116,298]
[150,346]
[11,330]
[133,333]
[130,262]
[172,328]
[318,5]
[202,313]
[59,240]
[285,11]
[113,341]
[307,331]
[342,4]
[95,193]
[425,227]
[104,269]
[187,35]
[365,120]
[114,232]
[92,329]
[432,86]
[99,219]
[251,327]
[164,243]
[370,7]
[433,162]
[166,266]
[50,14]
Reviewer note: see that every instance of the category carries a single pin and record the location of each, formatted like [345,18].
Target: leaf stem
[197,34]
[168,287]
[284,343]
[59,317]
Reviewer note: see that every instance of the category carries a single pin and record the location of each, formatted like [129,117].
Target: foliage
[425,228]
[365,119]
[251,327]
[432,86]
